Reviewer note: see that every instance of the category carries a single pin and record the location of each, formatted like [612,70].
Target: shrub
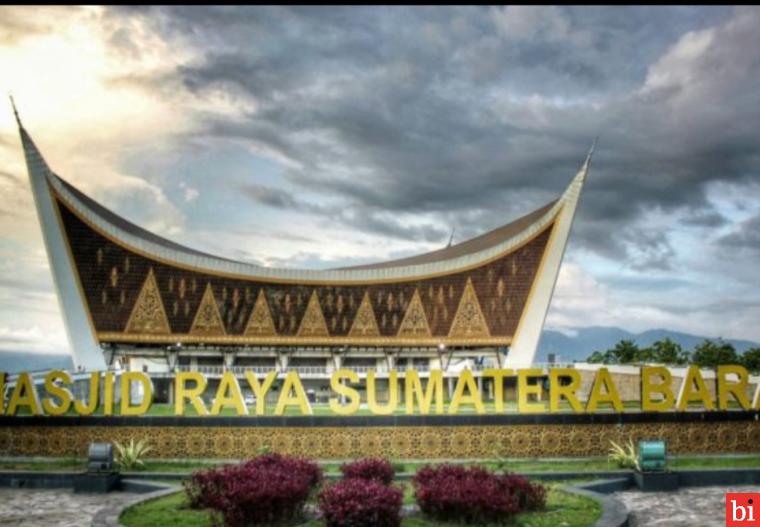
[375,469]
[358,502]
[428,474]
[265,490]
[204,486]
[130,456]
[474,495]
[530,496]
[306,467]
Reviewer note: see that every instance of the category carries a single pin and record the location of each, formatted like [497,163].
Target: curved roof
[473,245]
[126,225]
[448,260]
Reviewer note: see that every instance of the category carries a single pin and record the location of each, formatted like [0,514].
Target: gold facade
[402,442]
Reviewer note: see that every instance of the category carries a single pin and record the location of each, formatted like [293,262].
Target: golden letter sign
[419,396]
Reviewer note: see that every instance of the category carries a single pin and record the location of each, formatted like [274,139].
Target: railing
[417,367]
[240,370]
[307,370]
[312,370]
[365,369]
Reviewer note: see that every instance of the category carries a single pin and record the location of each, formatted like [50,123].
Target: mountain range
[584,341]
[568,347]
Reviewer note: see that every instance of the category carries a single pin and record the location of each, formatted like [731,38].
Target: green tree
[751,360]
[597,357]
[646,355]
[711,354]
[625,352]
[668,352]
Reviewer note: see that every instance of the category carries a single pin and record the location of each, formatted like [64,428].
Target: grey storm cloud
[375,221]
[745,236]
[478,114]
[704,218]
[272,197]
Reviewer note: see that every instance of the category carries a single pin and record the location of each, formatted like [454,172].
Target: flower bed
[265,490]
[357,502]
[474,495]
[565,509]
[375,469]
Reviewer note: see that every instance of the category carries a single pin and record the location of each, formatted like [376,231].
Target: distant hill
[591,339]
[568,348]
[15,361]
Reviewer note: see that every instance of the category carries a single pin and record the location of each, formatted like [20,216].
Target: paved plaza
[692,507]
[689,507]
[53,508]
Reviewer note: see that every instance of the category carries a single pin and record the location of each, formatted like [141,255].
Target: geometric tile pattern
[402,442]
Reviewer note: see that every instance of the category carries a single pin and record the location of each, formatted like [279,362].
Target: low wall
[401,437]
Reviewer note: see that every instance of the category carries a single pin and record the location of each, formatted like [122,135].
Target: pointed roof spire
[15,112]
[451,238]
[581,176]
[591,151]
[593,145]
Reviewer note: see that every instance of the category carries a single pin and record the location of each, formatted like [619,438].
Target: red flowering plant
[473,495]
[306,467]
[530,496]
[358,502]
[371,468]
[265,490]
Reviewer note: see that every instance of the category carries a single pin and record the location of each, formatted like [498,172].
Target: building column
[229,359]
[109,354]
[171,360]
[282,361]
[390,360]
[337,361]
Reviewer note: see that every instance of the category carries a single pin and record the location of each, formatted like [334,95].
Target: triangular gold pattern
[148,315]
[208,320]
[260,324]
[415,322]
[469,321]
[365,323]
[313,322]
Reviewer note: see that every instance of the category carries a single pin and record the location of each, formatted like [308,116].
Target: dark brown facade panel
[113,276]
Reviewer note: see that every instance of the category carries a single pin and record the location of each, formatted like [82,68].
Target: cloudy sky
[321,137]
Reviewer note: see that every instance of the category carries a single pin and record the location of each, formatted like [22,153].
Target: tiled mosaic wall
[424,442]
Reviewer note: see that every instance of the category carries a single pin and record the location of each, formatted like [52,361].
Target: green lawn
[171,511]
[562,509]
[567,510]
[513,465]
